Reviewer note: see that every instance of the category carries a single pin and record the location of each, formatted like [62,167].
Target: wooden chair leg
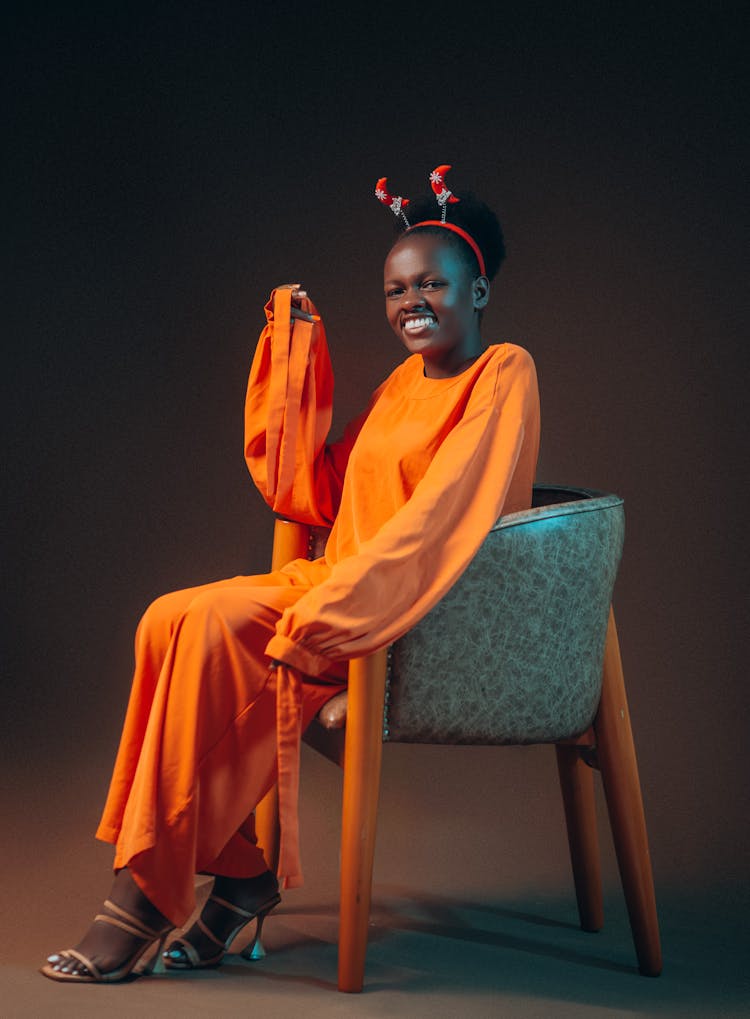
[362,758]
[267,827]
[619,769]
[290,542]
[577,786]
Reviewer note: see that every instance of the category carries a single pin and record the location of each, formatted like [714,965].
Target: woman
[228,674]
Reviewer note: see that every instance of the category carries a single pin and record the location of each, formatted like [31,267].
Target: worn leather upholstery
[513,653]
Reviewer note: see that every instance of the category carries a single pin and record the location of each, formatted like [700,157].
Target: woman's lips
[419,324]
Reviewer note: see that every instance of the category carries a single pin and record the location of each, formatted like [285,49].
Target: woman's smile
[423,324]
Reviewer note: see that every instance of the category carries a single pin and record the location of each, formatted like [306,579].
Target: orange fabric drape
[411,489]
[198,748]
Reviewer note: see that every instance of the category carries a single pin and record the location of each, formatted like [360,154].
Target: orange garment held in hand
[411,489]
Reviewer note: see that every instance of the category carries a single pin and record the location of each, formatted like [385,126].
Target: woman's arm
[288,411]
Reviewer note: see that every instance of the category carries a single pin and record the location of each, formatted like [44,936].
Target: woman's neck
[449,367]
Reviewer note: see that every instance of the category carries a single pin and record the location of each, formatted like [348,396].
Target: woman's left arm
[288,411]
[375,596]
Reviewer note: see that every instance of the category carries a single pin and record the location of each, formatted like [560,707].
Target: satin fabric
[411,489]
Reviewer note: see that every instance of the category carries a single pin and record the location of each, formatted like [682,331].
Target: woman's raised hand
[298,295]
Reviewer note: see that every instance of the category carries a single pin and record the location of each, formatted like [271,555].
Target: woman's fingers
[298,295]
[297,290]
[298,313]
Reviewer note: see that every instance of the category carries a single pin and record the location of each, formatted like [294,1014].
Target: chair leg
[619,769]
[290,541]
[362,758]
[577,786]
[267,827]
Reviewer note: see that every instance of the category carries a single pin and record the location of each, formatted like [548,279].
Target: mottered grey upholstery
[513,653]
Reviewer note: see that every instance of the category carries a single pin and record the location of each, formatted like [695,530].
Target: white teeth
[419,323]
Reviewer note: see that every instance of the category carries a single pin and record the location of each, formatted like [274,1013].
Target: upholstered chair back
[513,653]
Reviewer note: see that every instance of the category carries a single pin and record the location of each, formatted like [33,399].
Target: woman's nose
[413,298]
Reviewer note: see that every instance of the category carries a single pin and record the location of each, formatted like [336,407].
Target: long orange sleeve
[288,412]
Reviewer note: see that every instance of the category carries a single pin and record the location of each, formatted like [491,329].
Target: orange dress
[411,490]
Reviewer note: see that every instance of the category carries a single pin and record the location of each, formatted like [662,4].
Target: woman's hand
[297,291]
[298,296]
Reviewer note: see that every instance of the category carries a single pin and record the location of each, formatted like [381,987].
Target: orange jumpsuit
[411,490]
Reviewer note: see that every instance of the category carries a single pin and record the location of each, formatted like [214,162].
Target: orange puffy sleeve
[288,411]
[485,464]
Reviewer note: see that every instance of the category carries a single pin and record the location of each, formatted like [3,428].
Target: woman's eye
[432,284]
[393,292]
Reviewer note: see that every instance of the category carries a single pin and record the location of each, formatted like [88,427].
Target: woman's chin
[418,343]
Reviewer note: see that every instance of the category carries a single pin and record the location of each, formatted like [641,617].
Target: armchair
[523,649]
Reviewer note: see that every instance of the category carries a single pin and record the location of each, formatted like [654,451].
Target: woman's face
[432,303]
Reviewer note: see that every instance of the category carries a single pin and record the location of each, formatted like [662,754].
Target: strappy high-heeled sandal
[181,954]
[93,975]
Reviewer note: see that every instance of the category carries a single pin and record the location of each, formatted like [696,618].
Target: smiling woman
[228,674]
[432,300]
[437,279]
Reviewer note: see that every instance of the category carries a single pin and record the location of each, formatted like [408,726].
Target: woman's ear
[481,292]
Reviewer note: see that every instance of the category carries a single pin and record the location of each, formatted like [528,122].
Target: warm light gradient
[166,169]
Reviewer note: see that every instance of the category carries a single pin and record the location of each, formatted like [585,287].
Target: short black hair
[473,216]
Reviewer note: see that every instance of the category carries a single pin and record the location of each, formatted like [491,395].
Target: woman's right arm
[288,411]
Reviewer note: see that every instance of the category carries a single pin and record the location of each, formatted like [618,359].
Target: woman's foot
[233,903]
[120,934]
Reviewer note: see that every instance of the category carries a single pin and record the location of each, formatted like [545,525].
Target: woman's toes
[61,964]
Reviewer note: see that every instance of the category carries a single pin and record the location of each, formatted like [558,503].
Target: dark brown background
[168,167]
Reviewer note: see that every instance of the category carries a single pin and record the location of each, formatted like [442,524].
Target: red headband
[461,233]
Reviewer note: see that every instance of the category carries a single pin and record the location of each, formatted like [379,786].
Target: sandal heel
[155,964]
[255,950]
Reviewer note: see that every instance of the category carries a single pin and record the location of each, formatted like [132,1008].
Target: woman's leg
[152,640]
[199,742]
[243,885]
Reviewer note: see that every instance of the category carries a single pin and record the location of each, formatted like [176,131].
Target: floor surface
[473,918]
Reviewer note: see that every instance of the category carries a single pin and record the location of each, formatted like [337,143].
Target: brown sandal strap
[244,914]
[209,933]
[143,930]
[127,927]
[189,950]
[231,906]
[84,961]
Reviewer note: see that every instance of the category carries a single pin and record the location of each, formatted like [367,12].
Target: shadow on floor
[434,956]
